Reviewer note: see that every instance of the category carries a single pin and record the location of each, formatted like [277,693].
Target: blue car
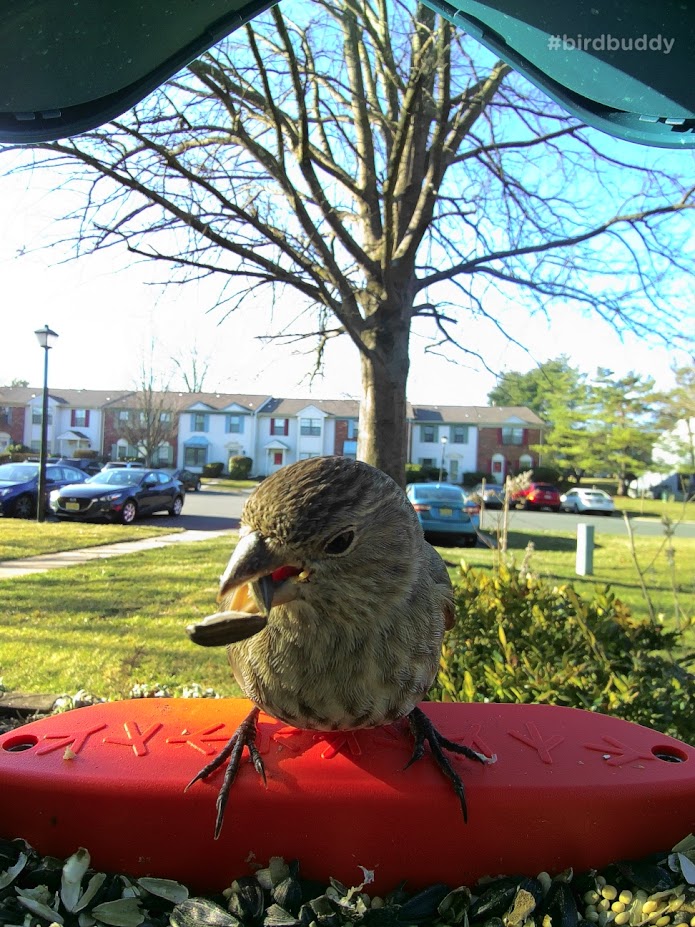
[442,510]
[19,486]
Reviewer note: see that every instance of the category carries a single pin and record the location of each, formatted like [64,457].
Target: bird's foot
[244,736]
[423,730]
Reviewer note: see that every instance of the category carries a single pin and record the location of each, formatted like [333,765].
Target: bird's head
[323,532]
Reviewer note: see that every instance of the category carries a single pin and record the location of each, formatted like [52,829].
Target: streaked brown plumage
[345,603]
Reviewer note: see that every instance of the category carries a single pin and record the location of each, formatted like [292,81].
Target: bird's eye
[340,543]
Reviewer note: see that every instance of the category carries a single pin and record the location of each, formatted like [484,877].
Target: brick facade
[12,421]
[341,435]
[490,443]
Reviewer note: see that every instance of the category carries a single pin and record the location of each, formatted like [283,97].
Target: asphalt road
[207,510]
[520,520]
[211,510]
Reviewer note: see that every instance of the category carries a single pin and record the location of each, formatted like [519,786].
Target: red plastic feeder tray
[569,788]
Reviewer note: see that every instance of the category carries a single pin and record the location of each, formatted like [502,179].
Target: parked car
[538,496]
[492,495]
[19,486]
[190,480]
[123,465]
[88,465]
[441,509]
[587,500]
[119,494]
[471,506]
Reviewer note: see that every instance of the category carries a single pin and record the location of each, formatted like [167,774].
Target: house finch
[334,610]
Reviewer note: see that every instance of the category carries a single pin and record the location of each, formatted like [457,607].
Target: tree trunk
[382,439]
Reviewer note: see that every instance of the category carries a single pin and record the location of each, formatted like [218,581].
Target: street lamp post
[441,461]
[44,336]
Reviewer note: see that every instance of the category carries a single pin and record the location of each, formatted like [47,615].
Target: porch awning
[197,441]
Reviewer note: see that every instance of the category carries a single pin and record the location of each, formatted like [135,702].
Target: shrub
[240,468]
[546,475]
[213,469]
[414,474]
[520,639]
[85,454]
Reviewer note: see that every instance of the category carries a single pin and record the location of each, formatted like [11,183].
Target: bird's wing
[439,573]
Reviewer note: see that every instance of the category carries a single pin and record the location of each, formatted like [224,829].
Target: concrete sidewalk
[45,562]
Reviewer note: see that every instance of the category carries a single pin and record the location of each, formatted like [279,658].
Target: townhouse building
[215,427]
[192,429]
[491,439]
[75,418]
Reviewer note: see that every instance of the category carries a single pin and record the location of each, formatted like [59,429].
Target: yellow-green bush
[520,639]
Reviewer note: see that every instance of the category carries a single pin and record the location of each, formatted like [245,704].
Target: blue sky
[108,314]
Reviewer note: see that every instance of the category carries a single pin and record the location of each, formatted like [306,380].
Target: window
[199,421]
[512,435]
[279,426]
[5,415]
[195,456]
[352,429]
[235,424]
[525,462]
[165,418]
[36,416]
[429,434]
[79,418]
[459,434]
[164,455]
[453,470]
[304,456]
[310,426]
[427,461]
[123,415]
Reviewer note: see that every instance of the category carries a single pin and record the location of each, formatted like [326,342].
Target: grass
[109,624]
[220,484]
[553,558]
[20,539]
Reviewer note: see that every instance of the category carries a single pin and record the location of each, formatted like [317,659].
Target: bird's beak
[256,578]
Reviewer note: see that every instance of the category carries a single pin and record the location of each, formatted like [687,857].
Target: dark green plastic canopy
[623,66]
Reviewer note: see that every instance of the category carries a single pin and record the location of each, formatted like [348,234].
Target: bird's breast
[333,675]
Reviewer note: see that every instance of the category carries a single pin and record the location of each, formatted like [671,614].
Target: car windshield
[439,494]
[595,494]
[18,472]
[117,477]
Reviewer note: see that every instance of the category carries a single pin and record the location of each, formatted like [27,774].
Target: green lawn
[223,485]
[554,556]
[19,538]
[108,624]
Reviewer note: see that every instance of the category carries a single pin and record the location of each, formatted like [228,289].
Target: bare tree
[148,418]
[192,367]
[387,170]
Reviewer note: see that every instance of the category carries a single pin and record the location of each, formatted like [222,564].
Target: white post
[585,550]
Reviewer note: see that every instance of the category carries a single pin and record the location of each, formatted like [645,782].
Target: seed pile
[38,891]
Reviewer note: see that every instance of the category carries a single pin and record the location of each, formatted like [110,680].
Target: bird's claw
[423,730]
[244,736]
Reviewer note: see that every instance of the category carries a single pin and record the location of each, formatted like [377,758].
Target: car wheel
[24,507]
[197,487]
[129,512]
[470,540]
[527,506]
[555,508]
[176,507]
